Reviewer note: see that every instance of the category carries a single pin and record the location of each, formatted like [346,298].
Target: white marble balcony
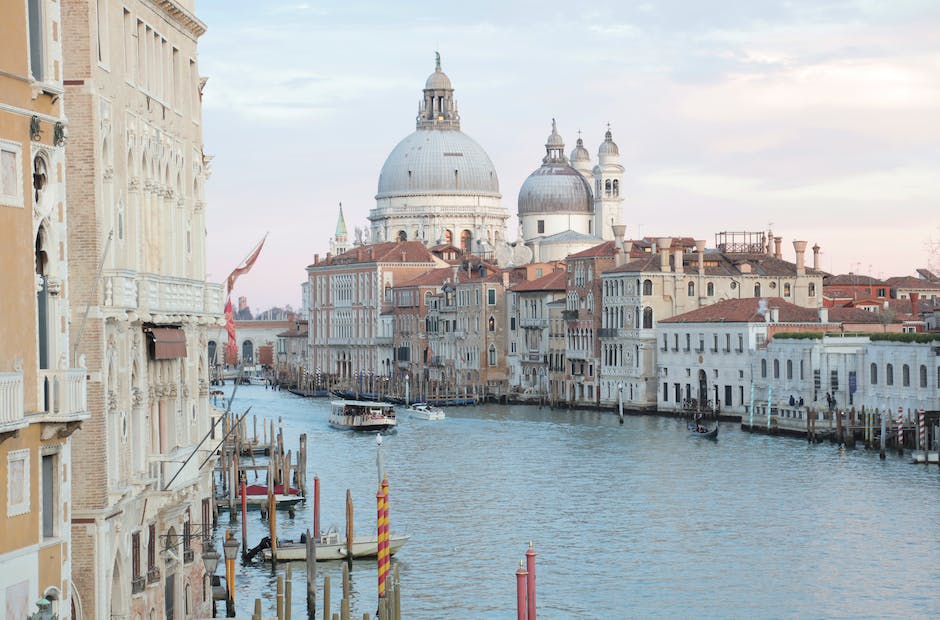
[156,294]
[62,395]
[12,416]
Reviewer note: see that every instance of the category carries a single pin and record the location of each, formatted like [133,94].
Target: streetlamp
[210,560]
[45,611]
[230,549]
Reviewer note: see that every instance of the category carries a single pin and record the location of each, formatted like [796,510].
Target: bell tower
[438,110]
[608,181]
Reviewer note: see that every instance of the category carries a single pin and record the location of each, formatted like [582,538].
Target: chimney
[774,314]
[506,279]
[800,248]
[456,269]
[777,252]
[700,250]
[627,249]
[823,314]
[663,244]
[816,257]
[619,231]
[914,298]
[679,267]
[316,259]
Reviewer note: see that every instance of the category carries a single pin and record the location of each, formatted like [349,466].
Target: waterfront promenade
[631,521]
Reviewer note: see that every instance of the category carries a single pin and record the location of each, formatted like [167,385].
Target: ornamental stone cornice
[181,16]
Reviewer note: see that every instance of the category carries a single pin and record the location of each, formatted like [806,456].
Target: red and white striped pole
[521,591]
[922,431]
[901,431]
[530,580]
[383,552]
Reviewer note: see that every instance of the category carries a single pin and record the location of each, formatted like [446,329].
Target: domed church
[438,185]
[566,207]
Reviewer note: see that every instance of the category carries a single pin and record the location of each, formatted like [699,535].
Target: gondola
[704,433]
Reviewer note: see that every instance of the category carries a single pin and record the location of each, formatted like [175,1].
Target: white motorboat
[362,415]
[424,411]
[330,547]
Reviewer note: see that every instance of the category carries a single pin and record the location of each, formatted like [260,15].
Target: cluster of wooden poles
[868,420]
[389,607]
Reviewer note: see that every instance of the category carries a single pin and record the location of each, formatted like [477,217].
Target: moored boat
[330,547]
[698,430]
[362,415]
[424,411]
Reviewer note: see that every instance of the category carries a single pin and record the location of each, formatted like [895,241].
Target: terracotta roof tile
[852,279]
[608,248]
[746,311]
[555,281]
[911,282]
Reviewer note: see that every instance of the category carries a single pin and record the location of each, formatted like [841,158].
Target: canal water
[633,521]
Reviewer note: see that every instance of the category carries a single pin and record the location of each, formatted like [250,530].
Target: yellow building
[42,390]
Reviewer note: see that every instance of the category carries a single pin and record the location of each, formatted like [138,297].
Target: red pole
[383,552]
[520,591]
[316,506]
[380,515]
[244,518]
[530,579]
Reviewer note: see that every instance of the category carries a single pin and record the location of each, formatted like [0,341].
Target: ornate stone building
[42,384]
[438,185]
[136,175]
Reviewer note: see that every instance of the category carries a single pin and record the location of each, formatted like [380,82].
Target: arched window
[923,376]
[647,287]
[616,187]
[786,289]
[757,289]
[212,351]
[42,298]
[647,318]
[763,369]
[491,355]
[874,373]
[691,288]
[492,324]
[812,289]
[906,375]
[710,289]
[789,369]
[889,374]
[402,235]
[776,369]
[607,187]
[466,238]
[248,352]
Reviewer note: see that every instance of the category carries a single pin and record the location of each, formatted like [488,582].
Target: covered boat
[362,415]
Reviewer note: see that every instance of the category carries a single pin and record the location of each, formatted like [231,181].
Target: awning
[167,343]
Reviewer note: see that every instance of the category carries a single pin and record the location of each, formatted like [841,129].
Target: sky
[819,119]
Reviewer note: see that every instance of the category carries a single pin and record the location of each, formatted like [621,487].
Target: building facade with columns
[674,276]
[42,384]
[142,306]
[438,185]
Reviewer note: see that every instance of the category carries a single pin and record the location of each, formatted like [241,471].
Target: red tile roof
[555,281]
[852,279]
[911,282]
[746,311]
[387,252]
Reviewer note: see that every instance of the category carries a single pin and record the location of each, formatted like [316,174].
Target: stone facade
[136,177]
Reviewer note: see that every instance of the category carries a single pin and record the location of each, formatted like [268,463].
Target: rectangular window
[36,48]
[141,54]
[135,555]
[49,516]
[152,548]
[17,482]
[834,380]
[11,187]
[128,45]
[540,226]
[512,323]
[175,80]
[491,296]
[101,13]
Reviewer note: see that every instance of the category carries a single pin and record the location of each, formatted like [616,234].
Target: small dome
[438,81]
[579,153]
[555,188]
[608,147]
[554,139]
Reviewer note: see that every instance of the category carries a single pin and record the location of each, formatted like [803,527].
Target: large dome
[555,188]
[436,161]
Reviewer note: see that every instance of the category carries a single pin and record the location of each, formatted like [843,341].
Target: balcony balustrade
[533,323]
[12,416]
[569,315]
[151,293]
[608,332]
[62,393]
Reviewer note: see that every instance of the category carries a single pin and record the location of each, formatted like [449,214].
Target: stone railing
[62,392]
[152,293]
[539,323]
[11,401]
